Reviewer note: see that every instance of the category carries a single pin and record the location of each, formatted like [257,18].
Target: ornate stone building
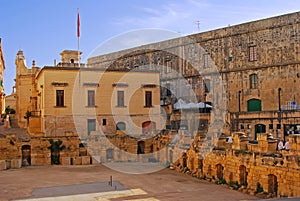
[258,63]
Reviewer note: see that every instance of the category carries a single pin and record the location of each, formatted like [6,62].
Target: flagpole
[78,51]
[78,35]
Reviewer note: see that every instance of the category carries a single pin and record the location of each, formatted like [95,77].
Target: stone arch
[26,155]
[220,169]
[141,147]
[243,175]
[272,184]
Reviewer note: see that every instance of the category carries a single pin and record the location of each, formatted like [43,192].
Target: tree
[9,110]
[56,147]
[27,116]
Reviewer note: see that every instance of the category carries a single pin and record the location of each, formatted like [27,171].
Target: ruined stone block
[2,165]
[85,160]
[16,163]
[65,161]
[78,160]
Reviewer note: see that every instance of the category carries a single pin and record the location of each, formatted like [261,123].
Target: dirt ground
[163,185]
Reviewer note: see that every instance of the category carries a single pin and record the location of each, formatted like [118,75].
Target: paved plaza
[93,183]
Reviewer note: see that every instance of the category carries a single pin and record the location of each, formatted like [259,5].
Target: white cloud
[168,16]
[181,16]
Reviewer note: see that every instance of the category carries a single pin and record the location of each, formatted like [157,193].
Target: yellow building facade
[66,99]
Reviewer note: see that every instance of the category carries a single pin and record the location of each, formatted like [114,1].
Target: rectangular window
[120,99]
[91,98]
[103,122]
[91,125]
[270,126]
[252,53]
[59,98]
[148,99]
[278,126]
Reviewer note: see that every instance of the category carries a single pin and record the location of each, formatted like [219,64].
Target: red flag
[78,24]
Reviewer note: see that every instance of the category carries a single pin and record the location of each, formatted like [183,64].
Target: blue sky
[43,28]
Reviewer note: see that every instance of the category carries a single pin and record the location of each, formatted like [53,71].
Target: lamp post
[279,94]
[239,96]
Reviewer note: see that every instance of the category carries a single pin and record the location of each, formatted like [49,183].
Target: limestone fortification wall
[246,167]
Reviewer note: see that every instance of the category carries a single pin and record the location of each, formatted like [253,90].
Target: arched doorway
[220,169]
[26,155]
[272,184]
[141,147]
[259,128]
[243,175]
[148,127]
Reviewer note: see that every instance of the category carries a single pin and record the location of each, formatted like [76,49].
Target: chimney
[33,63]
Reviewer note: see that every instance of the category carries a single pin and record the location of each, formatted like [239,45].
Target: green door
[254,105]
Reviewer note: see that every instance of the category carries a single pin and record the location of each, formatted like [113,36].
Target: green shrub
[222,181]
[234,184]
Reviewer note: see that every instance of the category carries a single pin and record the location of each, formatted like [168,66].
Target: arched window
[253,81]
[121,126]
[207,85]
[254,105]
